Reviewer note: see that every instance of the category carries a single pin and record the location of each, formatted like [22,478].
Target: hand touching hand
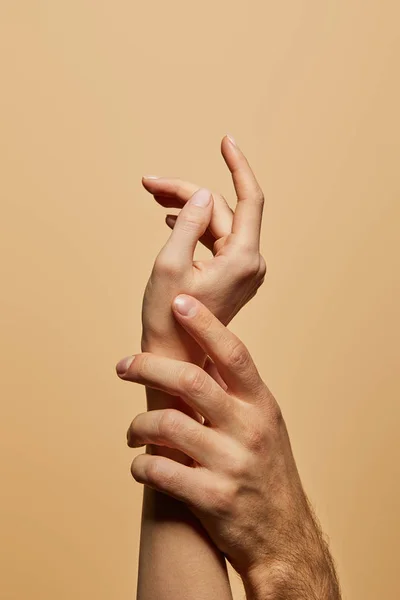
[242,483]
[224,283]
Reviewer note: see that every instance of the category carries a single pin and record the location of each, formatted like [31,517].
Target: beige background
[94,95]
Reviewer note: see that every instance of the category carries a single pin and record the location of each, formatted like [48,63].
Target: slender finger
[173,429]
[191,224]
[229,354]
[174,193]
[250,199]
[196,487]
[207,239]
[179,378]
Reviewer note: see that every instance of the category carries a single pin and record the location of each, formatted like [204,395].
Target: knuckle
[160,477]
[169,422]
[223,498]
[190,222]
[256,438]
[193,380]
[262,269]
[255,430]
[237,355]
[249,265]
[141,366]
[147,471]
[239,465]
[153,471]
[272,413]
[196,433]
[163,265]
[257,268]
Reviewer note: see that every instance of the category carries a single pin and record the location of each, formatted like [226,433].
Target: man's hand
[225,282]
[243,483]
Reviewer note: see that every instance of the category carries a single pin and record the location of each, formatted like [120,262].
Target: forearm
[303,574]
[282,583]
[177,558]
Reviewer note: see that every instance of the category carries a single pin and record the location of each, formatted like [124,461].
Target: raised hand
[242,483]
[225,282]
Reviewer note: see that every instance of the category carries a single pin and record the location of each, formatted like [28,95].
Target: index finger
[230,355]
[250,199]
[174,193]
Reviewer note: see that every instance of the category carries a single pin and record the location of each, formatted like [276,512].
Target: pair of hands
[241,481]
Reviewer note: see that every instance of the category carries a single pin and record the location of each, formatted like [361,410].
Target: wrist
[311,580]
[174,346]
[159,399]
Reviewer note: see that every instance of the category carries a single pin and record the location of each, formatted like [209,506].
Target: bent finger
[207,239]
[228,352]
[174,193]
[180,378]
[191,224]
[196,487]
[172,428]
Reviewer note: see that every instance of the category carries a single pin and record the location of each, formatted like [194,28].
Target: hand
[243,484]
[224,283]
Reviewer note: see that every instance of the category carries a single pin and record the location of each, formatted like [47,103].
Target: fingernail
[124,365]
[151,177]
[231,139]
[185,305]
[201,198]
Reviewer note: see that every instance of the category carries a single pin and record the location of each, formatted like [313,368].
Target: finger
[174,193]
[179,378]
[197,487]
[174,429]
[250,199]
[207,239]
[229,354]
[190,226]
[211,369]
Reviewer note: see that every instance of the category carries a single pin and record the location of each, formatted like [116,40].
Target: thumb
[191,224]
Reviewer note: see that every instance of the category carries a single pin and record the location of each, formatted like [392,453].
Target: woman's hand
[242,482]
[227,281]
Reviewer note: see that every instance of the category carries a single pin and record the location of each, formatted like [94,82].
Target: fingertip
[230,151]
[203,198]
[232,140]
[148,180]
[123,366]
[170,220]
[185,305]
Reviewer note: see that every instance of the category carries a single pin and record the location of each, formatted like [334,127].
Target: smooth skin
[225,282]
[243,484]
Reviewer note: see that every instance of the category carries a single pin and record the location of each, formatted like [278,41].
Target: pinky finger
[207,239]
[184,483]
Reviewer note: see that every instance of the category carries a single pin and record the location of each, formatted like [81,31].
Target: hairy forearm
[303,572]
[284,582]
[177,558]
